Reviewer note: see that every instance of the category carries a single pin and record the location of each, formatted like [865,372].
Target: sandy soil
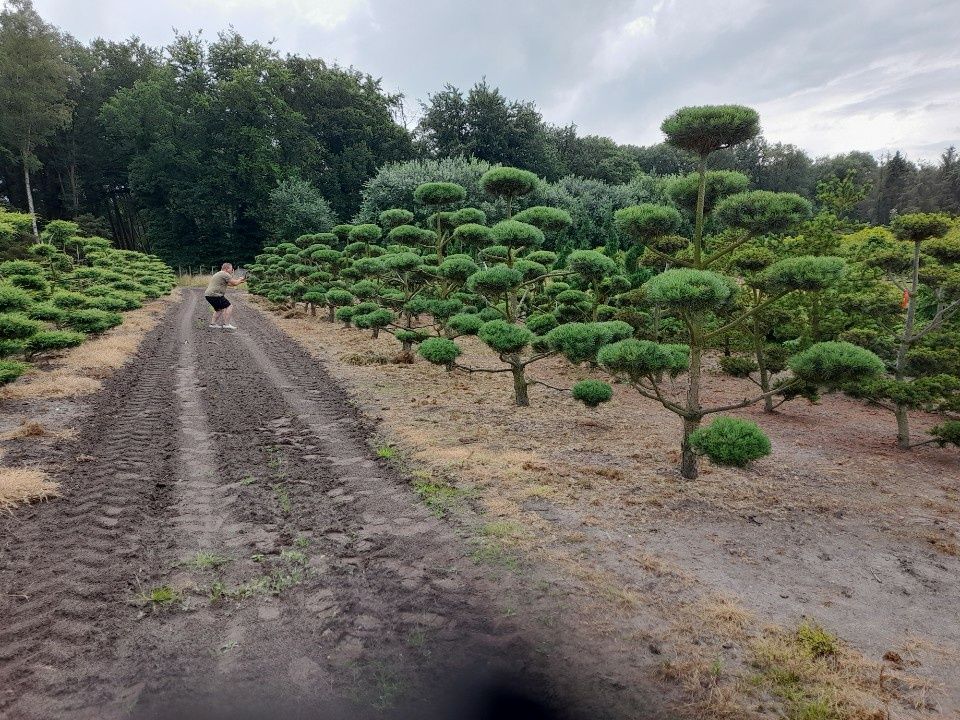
[227,544]
[837,526]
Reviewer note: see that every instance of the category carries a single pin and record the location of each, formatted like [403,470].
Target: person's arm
[238,281]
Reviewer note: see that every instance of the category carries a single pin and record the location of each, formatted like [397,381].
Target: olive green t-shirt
[218,284]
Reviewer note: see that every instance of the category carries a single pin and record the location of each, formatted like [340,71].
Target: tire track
[385,572]
[336,589]
[201,499]
[69,569]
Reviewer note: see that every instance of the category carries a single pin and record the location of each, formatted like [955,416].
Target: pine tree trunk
[815,313]
[331,317]
[519,381]
[900,411]
[29,189]
[376,333]
[512,299]
[903,426]
[698,216]
[74,191]
[688,459]
[763,372]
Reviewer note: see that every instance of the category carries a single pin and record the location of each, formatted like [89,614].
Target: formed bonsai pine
[439,195]
[692,290]
[764,279]
[508,340]
[925,371]
[508,184]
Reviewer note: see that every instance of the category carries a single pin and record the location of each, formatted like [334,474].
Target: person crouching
[216,296]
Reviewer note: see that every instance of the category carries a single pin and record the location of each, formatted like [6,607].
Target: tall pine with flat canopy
[693,291]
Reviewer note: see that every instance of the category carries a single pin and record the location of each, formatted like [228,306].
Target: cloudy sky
[828,75]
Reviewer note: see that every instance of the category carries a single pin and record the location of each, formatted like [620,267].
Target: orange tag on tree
[906,298]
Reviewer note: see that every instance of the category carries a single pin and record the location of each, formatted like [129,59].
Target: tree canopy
[185,150]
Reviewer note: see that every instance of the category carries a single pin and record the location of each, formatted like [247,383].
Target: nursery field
[702,586]
[225,538]
[228,520]
[709,468]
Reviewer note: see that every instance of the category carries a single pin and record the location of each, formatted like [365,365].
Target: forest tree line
[206,149]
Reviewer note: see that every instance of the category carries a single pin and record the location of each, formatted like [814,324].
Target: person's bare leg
[217,319]
[225,315]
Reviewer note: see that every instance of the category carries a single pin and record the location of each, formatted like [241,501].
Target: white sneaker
[229,327]
[215,325]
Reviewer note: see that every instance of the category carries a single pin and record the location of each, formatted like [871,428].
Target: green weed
[417,638]
[798,668]
[163,595]
[816,641]
[500,529]
[283,498]
[294,557]
[439,498]
[377,685]
[492,554]
[218,591]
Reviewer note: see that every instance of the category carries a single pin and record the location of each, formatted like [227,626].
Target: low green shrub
[592,392]
[17,326]
[11,370]
[739,366]
[731,441]
[13,298]
[69,300]
[92,321]
[47,313]
[947,433]
[439,351]
[49,340]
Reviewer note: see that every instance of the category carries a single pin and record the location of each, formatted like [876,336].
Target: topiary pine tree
[762,281]
[508,184]
[337,298]
[692,290]
[510,341]
[439,195]
[925,369]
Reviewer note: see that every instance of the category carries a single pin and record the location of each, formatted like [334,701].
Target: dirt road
[228,541]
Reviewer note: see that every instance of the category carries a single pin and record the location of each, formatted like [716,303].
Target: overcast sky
[828,75]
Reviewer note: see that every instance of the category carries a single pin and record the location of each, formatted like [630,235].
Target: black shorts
[218,302]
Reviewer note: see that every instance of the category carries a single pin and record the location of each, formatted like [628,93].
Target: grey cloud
[840,59]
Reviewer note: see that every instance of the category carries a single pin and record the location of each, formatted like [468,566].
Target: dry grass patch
[24,485]
[35,429]
[815,676]
[40,385]
[193,280]
[27,428]
[946,545]
[725,617]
